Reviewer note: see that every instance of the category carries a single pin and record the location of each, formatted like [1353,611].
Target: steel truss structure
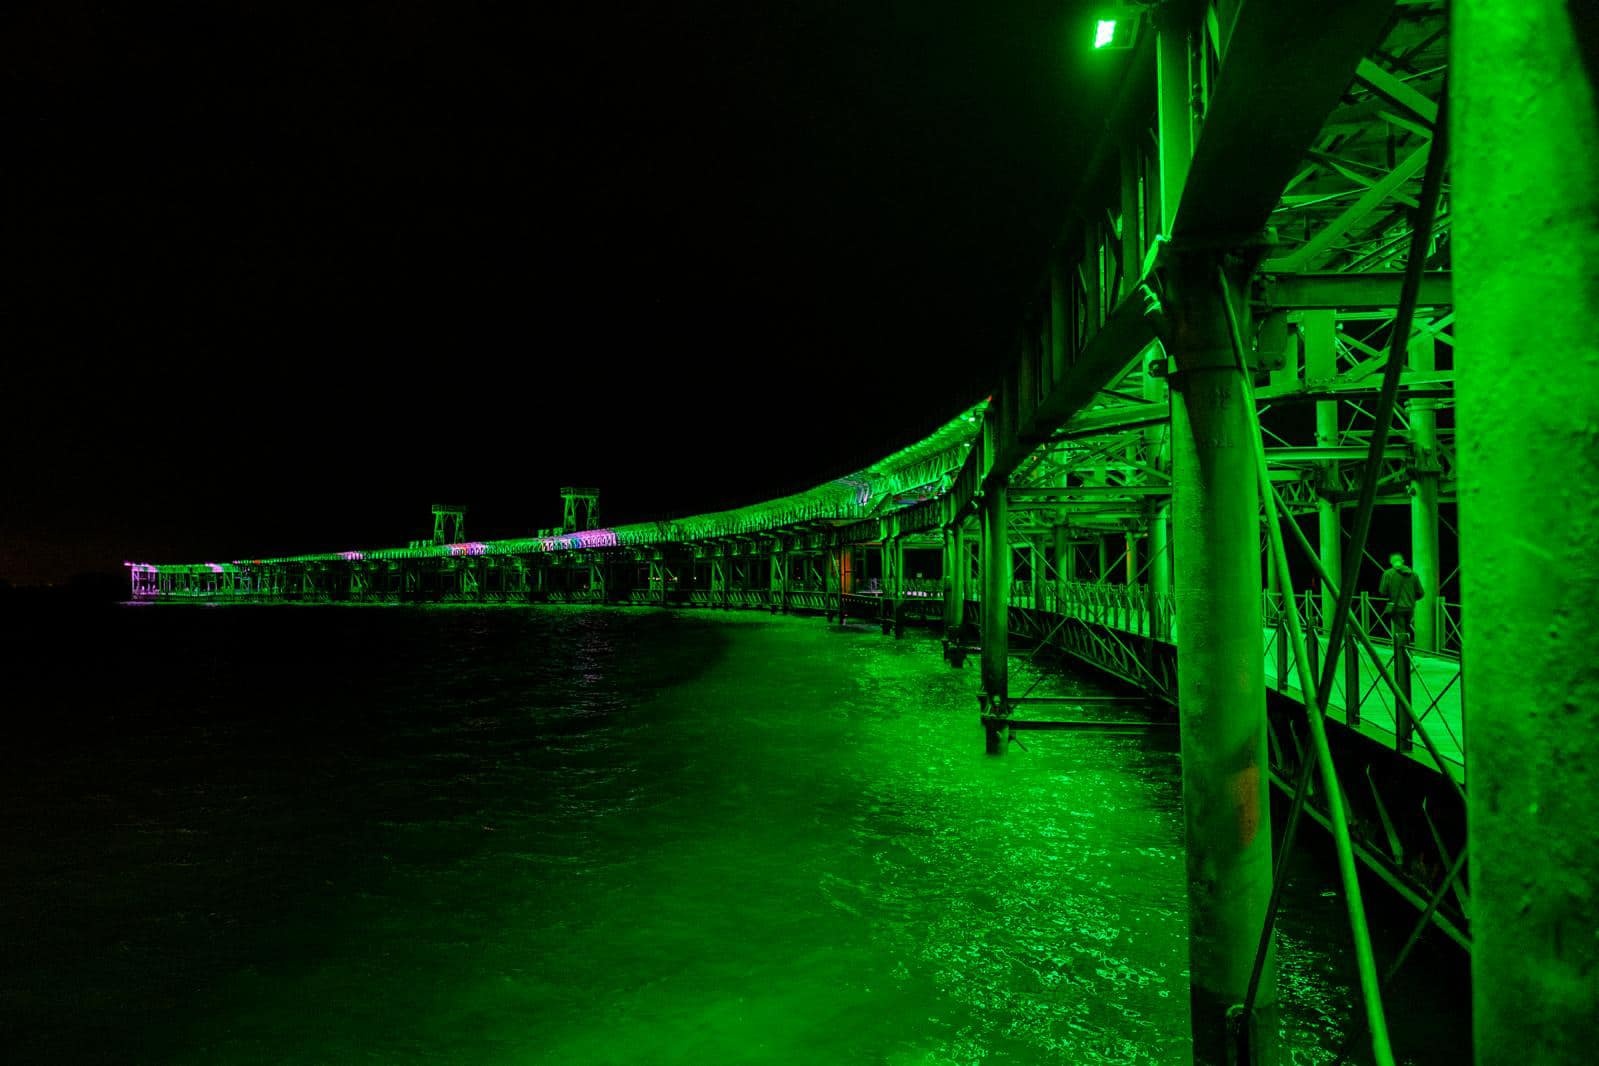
[1243,343]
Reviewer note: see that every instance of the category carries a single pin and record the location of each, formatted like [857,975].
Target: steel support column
[1221,686]
[1424,472]
[834,586]
[893,557]
[1065,564]
[897,586]
[954,583]
[996,574]
[1157,440]
[1526,186]
[777,588]
[1320,332]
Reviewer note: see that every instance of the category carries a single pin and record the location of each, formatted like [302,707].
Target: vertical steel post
[996,574]
[834,592]
[783,557]
[893,554]
[846,558]
[1404,724]
[1424,472]
[954,582]
[1353,691]
[901,584]
[1320,332]
[946,569]
[1221,684]
[1036,569]
[1156,440]
[1526,185]
[1065,565]
[1159,592]
[1174,111]
[1131,235]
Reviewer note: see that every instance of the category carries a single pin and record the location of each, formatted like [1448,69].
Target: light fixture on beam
[1116,27]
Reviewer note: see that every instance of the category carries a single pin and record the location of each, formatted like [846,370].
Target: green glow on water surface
[569,835]
[665,839]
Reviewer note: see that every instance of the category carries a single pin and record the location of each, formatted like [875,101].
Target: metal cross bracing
[1240,350]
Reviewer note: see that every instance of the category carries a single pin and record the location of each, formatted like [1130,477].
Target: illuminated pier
[1240,361]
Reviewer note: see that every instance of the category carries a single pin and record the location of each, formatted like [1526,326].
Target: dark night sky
[277,276]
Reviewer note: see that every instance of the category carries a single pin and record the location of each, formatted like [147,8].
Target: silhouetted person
[1402,589]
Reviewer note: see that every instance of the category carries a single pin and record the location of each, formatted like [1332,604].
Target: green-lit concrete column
[1526,188]
[1106,566]
[1320,332]
[996,574]
[1221,686]
[1424,473]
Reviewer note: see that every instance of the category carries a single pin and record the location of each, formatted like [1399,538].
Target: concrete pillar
[1221,684]
[1526,186]
[1424,473]
[996,574]
[1105,566]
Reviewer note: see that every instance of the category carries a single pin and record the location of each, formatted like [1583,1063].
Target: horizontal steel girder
[1350,292]
[1288,63]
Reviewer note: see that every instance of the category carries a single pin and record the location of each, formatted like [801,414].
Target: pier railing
[1127,617]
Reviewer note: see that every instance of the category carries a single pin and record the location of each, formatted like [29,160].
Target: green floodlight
[1116,29]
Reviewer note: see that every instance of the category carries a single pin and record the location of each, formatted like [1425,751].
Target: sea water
[280,834]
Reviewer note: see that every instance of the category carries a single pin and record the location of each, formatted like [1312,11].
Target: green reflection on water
[622,836]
